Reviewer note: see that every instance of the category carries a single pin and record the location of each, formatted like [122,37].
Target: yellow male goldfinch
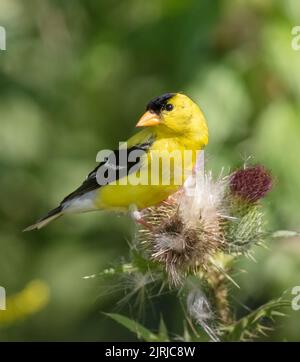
[172,123]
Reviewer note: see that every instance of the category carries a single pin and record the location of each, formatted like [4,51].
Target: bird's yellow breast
[167,165]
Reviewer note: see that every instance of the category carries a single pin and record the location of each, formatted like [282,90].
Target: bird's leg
[138,217]
[174,198]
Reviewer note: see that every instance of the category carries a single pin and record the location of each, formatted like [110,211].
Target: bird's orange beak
[148,119]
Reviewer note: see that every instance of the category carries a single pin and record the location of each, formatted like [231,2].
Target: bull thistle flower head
[247,187]
[251,184]
[208,217]
[186,230]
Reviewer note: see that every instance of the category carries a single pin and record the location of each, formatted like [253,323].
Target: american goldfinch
[172,123]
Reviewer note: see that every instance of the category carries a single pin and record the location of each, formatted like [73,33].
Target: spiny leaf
[163,332]
[285,234]
[135,327]
[125,268]
[251,326]
[186,334]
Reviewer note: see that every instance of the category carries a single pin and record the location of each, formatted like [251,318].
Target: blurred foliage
[29,301]
[74,79]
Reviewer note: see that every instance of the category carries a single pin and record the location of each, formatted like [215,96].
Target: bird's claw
[138,218]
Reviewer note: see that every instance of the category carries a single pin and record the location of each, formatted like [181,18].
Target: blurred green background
[74,79]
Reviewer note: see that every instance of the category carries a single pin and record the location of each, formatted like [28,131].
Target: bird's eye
[169,107]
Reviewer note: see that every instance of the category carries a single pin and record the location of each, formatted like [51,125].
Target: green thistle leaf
[252,325]
[163,332]
[140,331]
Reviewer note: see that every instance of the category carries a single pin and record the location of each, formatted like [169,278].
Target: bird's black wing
[118,164]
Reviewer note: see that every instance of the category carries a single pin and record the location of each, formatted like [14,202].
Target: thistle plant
[189,243]
[186,233]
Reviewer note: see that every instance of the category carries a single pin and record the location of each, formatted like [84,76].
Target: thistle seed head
[185,231]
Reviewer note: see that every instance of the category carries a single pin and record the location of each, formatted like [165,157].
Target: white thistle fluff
[200,310]
[203,197]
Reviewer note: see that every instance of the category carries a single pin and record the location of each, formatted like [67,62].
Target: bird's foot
[145,224]
[174,198]
[138,218]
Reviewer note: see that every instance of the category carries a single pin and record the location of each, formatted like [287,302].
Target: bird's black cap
[157,104]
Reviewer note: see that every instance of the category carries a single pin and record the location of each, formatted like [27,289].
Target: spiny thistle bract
[184,233]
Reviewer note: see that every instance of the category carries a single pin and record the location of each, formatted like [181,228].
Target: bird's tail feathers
[52,215]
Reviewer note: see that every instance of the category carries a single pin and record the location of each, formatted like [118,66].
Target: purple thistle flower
[251,184]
